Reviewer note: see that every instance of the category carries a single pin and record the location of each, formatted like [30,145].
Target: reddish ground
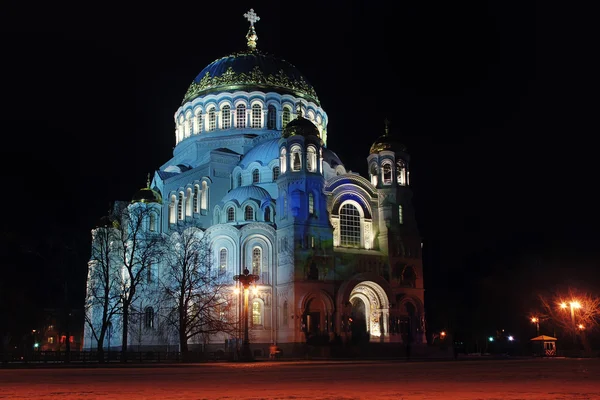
[539,379]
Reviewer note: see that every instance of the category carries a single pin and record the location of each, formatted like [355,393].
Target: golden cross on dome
[387,126]
[299,109]
[252,36]
[252,17]
[148,181]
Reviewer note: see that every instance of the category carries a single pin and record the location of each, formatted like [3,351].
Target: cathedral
[334,252]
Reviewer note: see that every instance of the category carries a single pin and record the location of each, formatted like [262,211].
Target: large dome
[251,70]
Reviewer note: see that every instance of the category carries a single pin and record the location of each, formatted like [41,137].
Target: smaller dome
[147,195]
[300,126]
[243,193]
[387,142]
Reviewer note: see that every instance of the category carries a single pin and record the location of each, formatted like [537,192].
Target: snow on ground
[539,379]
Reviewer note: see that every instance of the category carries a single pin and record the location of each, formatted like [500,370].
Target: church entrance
[370,311]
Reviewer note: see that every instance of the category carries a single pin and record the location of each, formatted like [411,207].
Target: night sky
[494,101]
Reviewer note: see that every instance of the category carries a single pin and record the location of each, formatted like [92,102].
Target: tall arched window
[256,121]
[311,204]
[275,173]
[173,210]
[286,314]
[285,117]
[283,160]
[255,176]
[198,128]
[180,205]
[387,173]
[222,261]
[240,116]
[256,261]
[248,213]
[296,160]
[373,173]
[190,125]
[256,313]
[189,206]
[230,214]
[212,119]
[268,214]
[149,318]
[311,159]
[349,226]
[271,117]
[239,179]
[401,173]
[204,197]
[226,117]
[153,222]
[400,214]
[196,198]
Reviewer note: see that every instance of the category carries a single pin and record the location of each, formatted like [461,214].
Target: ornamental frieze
[254,77]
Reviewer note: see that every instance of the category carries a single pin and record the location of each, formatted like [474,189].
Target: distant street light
[246,279]
[573,305]
[536,321]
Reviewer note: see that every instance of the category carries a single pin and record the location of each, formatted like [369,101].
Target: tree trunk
[125,331]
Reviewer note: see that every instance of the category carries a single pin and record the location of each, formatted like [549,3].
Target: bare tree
[573,313]
[197,298]
[103,298]
[138,250]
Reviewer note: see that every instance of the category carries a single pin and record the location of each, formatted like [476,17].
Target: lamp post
[574,304]
[246,279]
[536,321]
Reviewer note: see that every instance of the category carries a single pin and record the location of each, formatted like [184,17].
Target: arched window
[401,173]
[196,197]
[222,261]
[400,216]
[149,274]
[373,173]
[275,173]
[240,116]
[256,121]
[255,176]
[409,277]
[283,160]
[190,126]
[198,128]
[296,160]
[285,205]
[349,226]
[204,197]
[212,119]
[248,213]
[311,159]
[256,260]
[180,205]
[239,179]
[189,206]
[286,314]
[271,117]
[149,318]
[285,117]
[387,173]
[152,222]
[230,214]
[172,210]
[268,214]
[226,117]
[256,313]
[311,204]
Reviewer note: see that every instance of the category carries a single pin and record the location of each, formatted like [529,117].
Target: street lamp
[574,304]
[246,279]
[536,321]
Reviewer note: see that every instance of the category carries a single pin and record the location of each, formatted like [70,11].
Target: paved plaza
[531,379]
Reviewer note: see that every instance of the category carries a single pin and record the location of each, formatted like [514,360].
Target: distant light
[491,338]
[510,338]
[563,305]
[442,333]
[575,304]
[36,345]
[534,319]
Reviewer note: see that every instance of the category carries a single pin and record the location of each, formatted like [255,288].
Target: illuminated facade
[251,168]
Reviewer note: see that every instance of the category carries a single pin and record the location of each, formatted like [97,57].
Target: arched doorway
[370,310]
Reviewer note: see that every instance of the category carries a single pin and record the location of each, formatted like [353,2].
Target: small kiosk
[544,346]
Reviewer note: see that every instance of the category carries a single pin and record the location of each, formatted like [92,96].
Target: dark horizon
[491,99]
